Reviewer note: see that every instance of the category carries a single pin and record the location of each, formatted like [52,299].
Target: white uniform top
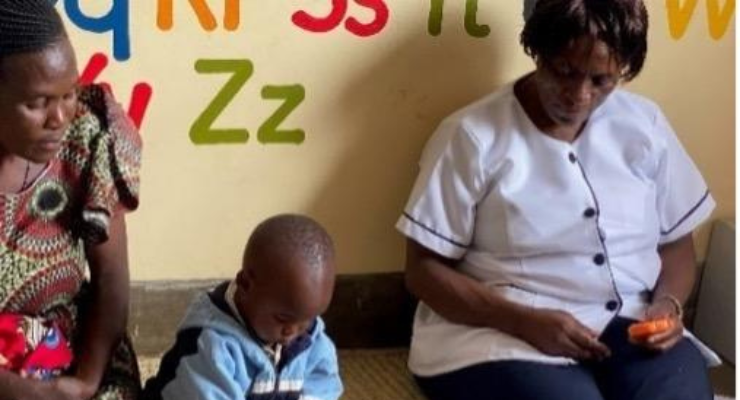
[546,223]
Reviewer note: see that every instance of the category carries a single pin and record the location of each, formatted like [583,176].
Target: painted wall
[322,107]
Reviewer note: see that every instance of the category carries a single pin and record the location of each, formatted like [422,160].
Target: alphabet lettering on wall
[436,15]
[681,12]
[331,21]
[203,12]
[326,16]
[202,131]
[141,94]
[115,21]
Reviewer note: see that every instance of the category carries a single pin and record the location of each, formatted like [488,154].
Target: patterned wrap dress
[44,228]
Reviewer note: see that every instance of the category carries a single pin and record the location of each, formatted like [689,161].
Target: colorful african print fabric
[44,228]
[31,348]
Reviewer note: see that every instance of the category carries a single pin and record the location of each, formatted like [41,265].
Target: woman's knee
[512,380]
[679,374]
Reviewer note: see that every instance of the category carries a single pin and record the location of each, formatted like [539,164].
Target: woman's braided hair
[28,25]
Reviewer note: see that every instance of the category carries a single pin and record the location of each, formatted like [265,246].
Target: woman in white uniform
[549,216]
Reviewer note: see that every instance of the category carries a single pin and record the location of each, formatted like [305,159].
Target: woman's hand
[15,387]
[74,388]
[64,388]
[662,341]
[558,333]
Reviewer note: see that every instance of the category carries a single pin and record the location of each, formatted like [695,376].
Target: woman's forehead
[54,66]
[57,58]
[586,46]
[585,51]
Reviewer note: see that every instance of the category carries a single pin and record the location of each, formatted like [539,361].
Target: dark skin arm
[461,299]
[677,277]
[13,387]
[104,323]
[103,326]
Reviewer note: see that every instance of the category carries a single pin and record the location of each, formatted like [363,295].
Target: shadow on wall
[393,106]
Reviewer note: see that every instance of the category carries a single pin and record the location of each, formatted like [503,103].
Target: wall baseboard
[367,311]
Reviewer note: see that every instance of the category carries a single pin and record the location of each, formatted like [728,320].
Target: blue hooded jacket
[215,357]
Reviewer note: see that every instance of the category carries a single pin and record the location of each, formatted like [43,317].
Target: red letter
[94,67]
[377,25]
[140,96]
[310,23]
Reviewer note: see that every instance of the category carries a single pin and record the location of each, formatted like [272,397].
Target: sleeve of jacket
[215,371]
[322,381]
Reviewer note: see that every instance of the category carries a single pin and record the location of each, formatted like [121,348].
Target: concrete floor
[367,371]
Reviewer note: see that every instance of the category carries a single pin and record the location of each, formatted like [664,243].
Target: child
[260,336]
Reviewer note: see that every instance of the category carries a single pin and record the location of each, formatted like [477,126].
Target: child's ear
[243,279]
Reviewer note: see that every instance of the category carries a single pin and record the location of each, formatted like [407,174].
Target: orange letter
[679,17]
[231,15]
[164,14]
[204,14]
[719,20]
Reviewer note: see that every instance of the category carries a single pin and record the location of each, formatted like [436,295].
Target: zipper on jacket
[276,355]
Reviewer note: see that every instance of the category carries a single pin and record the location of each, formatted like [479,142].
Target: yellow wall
[370,103]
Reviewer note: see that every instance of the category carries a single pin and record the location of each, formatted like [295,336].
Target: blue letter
[116,20]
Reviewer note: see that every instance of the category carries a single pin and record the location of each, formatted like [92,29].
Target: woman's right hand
[55,389]
[557,333]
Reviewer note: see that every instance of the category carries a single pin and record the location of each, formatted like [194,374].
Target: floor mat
[366,374]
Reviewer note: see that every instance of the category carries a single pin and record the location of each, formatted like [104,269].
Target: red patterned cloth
[44,228]
[32,348]
[12,342]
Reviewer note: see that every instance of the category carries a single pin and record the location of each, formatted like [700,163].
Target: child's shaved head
[287,277]
[282,239]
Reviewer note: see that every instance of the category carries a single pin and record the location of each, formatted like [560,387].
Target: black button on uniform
[572,157]
[612,305]
[589,213]
[599,259]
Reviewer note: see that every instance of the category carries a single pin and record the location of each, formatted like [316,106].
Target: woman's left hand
[663,341]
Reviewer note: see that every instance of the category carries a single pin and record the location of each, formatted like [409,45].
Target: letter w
[718,17]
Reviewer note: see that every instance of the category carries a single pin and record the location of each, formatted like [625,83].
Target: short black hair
[289,236]
[27,26]
[621,24]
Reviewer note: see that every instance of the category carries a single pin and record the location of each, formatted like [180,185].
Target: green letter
[471,10]
[201,131]
[434,25]
[293,96]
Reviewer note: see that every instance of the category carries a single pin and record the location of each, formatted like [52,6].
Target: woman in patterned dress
[69,160]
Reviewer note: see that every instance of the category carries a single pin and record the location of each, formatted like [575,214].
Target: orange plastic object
[642,330]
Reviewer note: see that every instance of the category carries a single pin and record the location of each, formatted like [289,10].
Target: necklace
[25,177]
